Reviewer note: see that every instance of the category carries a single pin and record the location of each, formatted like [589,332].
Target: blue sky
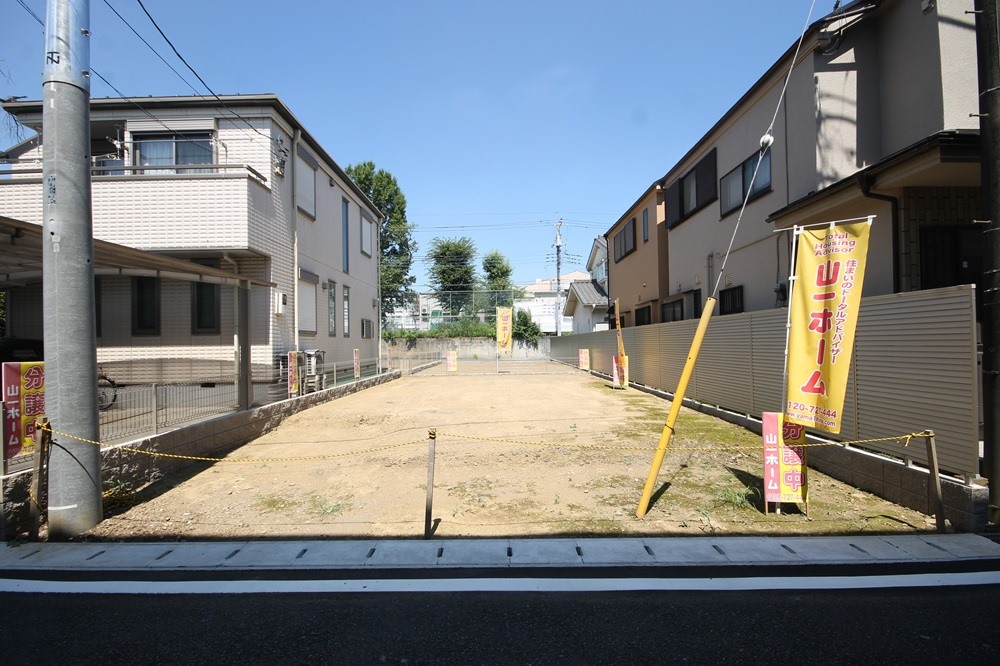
[497,118]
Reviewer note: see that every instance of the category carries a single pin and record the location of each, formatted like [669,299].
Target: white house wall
[232,212]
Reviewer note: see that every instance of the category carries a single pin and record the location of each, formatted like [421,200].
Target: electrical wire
[765,146]
[188,65]
[150,46]
[184,138]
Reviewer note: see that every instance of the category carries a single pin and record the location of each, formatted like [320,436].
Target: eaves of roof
[955,146]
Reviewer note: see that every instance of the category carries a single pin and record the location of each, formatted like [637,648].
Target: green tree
[452,273]
[525,328]
[395,234]
[497,285]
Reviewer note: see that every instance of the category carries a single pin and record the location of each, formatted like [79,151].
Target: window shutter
[672,199]
[306,306]
[705,176]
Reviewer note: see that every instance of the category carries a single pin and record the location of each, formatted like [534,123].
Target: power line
[30,11]
[150,46]
[183,137]
[188,65]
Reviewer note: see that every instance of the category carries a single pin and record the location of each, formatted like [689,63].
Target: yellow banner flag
[826,296]
[505,329]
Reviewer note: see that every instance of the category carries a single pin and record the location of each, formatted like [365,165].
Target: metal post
[68,271]
[38,486]
[431,443]
[244,380]
[156,408]
[937,501]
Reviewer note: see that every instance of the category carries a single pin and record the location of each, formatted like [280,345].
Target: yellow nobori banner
[505,329]
[826,296]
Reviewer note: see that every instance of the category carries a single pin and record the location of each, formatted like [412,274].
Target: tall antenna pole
[558,245]
[68,273]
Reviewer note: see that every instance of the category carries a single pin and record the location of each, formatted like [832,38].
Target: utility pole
[989,293]
[558,245]
[68,273]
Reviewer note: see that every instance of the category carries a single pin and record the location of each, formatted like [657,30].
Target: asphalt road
[921,625]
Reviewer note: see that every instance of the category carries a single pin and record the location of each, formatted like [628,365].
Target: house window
[689,193]
[205,302]
[693,191]
[305,304]
[367,228]
[145,306]
[672,311]
[731,300]
[645,225]
[347,311]
[625,240]
[172,150]
[305,182]
[107,166]
[643,316]
[345,212]
[735,185]
[331,307]
[601,271]
[367,329]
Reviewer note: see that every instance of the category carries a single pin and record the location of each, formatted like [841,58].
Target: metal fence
[429,311]
[914,367]
[145,409]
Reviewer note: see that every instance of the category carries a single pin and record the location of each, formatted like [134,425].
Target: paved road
[914,626]
[856,599]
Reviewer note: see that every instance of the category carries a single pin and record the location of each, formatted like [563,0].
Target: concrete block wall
[130,470]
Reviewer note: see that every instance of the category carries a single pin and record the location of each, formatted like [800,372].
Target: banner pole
[675,407]
[788,315]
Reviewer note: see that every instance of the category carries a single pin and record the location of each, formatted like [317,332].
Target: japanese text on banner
[24,403]
[505,329]
[826,296]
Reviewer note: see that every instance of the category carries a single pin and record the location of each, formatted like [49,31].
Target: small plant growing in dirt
[737,499]
[325,507]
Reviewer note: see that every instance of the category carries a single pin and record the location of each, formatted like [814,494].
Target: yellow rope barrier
[905,439]
[177,456]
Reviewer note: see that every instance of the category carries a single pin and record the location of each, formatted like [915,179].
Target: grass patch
[274,502]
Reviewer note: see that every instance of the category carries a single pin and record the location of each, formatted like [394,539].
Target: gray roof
[589,292]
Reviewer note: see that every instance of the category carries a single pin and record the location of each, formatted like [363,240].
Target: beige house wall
[897,77]
[635,279]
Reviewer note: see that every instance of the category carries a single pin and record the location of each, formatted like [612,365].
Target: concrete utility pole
[989,293]
[558,245]
[68,272]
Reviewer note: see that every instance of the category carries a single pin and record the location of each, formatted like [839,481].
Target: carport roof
[21,260]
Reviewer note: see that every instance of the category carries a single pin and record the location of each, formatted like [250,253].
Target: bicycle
[107,392]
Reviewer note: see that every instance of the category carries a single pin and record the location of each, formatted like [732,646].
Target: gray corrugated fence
[914,368]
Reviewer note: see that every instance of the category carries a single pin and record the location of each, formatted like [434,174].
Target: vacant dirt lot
[538,449]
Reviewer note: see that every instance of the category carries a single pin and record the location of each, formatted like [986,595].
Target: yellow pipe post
[675,407]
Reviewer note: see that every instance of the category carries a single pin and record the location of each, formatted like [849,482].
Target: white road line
[501,584]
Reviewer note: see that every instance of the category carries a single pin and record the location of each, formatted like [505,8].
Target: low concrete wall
[965,505]
[467,348]
[129,470]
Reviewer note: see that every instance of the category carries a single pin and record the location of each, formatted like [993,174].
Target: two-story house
[587,300]
[638,263]
[878,118]
[235,183]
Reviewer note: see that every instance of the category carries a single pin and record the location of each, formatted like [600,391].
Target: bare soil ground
[536,450]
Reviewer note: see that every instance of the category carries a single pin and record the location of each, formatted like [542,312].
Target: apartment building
[237,184]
